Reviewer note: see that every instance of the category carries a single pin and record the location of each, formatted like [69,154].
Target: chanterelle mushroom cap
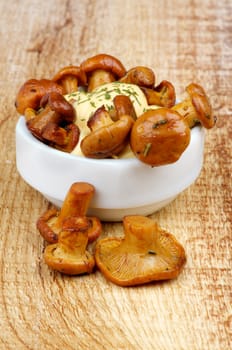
[76,203]
[31,92]
[69,255]
[140,75]
[101,69]
[159,137]
[146,253]
[196,108]
[70,78]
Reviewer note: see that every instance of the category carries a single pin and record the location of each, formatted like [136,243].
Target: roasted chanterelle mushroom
[76,204]
[159,137]
[162,95]
[70,78]
[69,255]
[196,108]
[146,253]
[54,122]
[31,92]
[108,137]
[140,75]
[102,69]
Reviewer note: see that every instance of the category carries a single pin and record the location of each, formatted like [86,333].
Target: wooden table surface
[183,41]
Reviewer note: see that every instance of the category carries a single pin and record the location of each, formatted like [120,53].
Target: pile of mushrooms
[157,137]
[146,253]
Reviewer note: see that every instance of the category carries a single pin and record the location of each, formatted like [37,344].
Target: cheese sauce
[86,103]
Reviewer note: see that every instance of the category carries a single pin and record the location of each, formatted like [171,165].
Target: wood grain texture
[183,41]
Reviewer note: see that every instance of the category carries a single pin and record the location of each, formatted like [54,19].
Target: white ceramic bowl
[123,186]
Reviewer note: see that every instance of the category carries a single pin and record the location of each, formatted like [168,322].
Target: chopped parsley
[107,96]
[160,122]
[146,149]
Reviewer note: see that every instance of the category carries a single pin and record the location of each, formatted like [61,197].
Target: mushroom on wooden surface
[146,253]
[69,254]
[76,204]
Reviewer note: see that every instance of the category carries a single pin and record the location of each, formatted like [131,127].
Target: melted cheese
[86,104]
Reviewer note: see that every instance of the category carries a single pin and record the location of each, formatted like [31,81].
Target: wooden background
[183,41]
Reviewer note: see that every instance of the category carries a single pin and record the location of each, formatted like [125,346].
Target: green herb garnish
[107,96]
[146,149]
[109,107]
[92,104]
[160,122]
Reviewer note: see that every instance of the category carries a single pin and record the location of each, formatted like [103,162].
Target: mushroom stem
[29,114]
[98,78]
[70,84]
[73,238]
[187,111]
[76,202]
[101,69]
[137,227]
[70,78]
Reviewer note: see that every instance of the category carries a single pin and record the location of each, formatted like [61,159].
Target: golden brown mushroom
[124,106]
[162,95]
[69,255]
[107,138]
[57,103]
[70,78]
[102,69]
[146,253]
[76,203]
[159,137]
[140,75]
[31,92]
[53,124]
[99,119]
[196,108]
